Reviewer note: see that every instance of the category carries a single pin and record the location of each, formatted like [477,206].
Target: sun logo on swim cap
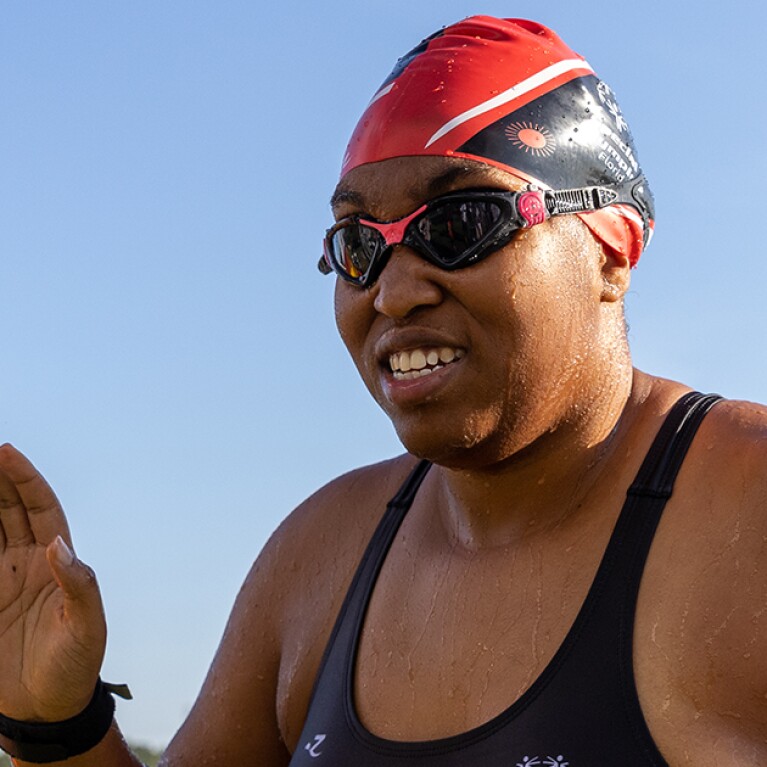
[534,139]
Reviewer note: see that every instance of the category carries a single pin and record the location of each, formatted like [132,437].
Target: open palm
[52,629]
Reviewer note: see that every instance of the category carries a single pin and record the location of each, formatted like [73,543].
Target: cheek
[545,299]
[564,305]
[352,308]
[343,307]
[339,309]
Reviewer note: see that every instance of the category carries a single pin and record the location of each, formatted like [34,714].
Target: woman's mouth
[422,361]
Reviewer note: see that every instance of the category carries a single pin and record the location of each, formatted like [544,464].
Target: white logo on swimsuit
[312,747]
[549,761]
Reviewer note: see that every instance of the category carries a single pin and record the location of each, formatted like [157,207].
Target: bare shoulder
[726,474]
[308,562]
[261,678]
[348,497]
[306,570]
[729,457]
[715,545]
[336,521]
[723,487]
[701,630]
[739,419]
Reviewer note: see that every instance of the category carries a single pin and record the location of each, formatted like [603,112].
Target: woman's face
[506,349]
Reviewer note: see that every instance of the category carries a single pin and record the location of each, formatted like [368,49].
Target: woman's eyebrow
[433,188]
[444,182]
[341,196]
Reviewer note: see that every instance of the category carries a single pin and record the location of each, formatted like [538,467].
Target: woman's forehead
[407,181]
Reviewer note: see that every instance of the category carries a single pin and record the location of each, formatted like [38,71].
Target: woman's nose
[406,283]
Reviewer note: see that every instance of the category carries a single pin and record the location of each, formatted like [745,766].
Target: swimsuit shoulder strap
[355,601]
[661,465]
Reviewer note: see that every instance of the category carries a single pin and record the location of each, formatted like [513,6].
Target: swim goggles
[458,229]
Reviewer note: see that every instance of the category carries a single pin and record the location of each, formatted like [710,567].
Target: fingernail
[63,552]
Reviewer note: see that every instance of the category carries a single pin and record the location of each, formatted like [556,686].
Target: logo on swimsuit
[549,761]
[312,747]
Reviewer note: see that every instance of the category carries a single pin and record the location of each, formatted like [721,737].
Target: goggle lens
[462,228]
[353,249]
[447,233]
[454,229]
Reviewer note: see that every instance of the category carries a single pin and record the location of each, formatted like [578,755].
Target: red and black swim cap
[510,93]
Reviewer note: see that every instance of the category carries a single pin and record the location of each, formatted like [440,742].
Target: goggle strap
[533,206]
[579,200]
[596,197]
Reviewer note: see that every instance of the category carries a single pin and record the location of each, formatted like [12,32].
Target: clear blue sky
[169,354]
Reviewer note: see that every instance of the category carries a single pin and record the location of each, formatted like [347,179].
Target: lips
[422,361]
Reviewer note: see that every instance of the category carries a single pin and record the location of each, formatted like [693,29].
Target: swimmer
[566,566]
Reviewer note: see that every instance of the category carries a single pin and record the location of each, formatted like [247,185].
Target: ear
[616,274]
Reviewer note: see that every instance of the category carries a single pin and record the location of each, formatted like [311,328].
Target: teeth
[417,362]
[415,373]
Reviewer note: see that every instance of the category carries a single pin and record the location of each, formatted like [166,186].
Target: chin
[466,448]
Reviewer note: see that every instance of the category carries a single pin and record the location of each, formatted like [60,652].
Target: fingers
[13,515]
[75,578]
[82,599]
[29,509]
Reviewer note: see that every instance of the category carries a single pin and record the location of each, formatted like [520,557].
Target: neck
[542,486]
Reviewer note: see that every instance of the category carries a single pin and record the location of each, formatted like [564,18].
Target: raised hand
[52,627]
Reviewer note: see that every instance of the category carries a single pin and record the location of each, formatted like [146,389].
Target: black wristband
[44,742]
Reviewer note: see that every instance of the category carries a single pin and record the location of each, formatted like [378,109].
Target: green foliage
[146,755]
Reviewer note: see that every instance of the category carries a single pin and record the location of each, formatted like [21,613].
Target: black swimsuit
[582,711]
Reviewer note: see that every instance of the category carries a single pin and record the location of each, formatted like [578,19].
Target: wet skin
[528,319]
[537,431]
[545,409]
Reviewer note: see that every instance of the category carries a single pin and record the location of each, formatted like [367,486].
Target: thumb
[76,580]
